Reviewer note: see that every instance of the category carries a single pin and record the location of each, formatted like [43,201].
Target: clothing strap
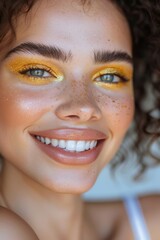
[136,218]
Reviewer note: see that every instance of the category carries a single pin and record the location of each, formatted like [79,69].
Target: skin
[32,185]
[75,102]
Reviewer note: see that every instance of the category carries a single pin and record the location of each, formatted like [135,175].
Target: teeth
[69,145]
[95,143]
[47,141]
[92,144]
[62,144]
[54,142]
[88,145]
[80,147]
[42,140]
[39,138]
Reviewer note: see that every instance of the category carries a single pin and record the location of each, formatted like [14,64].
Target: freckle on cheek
[119,110]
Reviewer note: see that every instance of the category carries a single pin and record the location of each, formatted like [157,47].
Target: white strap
[136,218]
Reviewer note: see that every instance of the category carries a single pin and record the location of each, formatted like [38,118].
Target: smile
[70,146]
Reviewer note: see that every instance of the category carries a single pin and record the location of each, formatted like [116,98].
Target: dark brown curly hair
[144,20]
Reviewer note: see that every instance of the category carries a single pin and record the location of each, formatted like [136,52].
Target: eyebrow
[58,54]
[111,56]
[41,49]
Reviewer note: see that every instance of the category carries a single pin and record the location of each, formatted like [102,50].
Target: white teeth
[92,144]
[38,137]
[88,145]
[54,142]
[42,139]
[69,145]
[80,147]
[47,141]
[95,143]
[62,144]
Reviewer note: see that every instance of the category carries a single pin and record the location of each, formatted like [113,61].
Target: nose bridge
[81,95]
[78,103]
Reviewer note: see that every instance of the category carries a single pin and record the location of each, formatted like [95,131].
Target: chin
[71,184]
[72,188]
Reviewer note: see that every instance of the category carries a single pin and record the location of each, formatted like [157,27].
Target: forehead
[69,23]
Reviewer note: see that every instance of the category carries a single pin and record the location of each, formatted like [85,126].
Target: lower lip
[71,158]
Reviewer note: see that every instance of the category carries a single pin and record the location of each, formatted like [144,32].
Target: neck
[51,215]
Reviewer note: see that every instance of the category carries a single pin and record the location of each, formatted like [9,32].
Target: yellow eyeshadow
[124,71]
[110,85]
[19,65]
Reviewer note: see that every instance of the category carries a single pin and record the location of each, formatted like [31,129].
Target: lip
[67,157]
[71,134]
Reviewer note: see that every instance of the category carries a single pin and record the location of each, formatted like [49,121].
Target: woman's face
[66,80]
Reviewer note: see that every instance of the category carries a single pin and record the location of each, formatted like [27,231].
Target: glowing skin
[73,99]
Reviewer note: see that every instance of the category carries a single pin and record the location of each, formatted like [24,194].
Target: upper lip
[71,134]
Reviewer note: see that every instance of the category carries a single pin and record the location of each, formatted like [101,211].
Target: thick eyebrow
[58,54]
[41,49]
[108,56]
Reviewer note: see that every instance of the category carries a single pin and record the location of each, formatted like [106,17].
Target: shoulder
[150,206]
[151,210]
[13,227]
[110,218]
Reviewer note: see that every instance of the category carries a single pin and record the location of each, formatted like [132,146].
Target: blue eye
[108,78]
[37,73]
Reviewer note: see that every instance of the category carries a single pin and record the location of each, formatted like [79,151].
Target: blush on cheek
[21,107]
[17,110]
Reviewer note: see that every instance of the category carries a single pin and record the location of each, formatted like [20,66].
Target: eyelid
[125,72]
[18,65]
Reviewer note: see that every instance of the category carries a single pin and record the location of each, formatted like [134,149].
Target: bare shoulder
[13,227]
[110,218]
[150,206]
[151,210]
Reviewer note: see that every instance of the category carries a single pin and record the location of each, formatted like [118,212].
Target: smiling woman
[66,103]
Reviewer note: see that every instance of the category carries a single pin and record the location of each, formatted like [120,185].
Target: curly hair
[144,20]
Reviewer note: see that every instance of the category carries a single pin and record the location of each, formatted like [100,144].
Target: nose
[79,108]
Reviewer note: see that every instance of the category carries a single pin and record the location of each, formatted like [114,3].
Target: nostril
[77,112]
[72,117]
[94,118]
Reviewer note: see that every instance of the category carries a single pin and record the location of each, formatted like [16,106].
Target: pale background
[117,185]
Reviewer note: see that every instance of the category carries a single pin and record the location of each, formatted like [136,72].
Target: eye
[109,78]
[37,73]
[40,75]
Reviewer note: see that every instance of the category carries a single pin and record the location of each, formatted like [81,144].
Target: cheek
[122,110]
[118,110]
[21,107]
[16,108]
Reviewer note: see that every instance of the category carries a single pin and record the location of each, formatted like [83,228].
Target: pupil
[37,72]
